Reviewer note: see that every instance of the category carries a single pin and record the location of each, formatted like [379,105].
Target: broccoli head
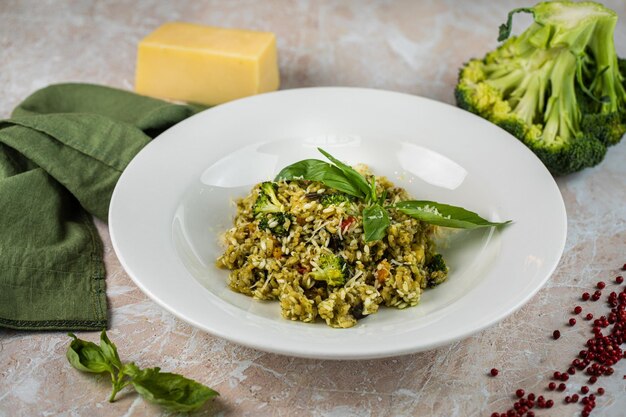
[437,269]
[557,86]
[334,199]
[267,201]
[331,268]
[437,263]
[277,223]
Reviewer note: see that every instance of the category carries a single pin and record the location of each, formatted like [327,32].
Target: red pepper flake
[346,223]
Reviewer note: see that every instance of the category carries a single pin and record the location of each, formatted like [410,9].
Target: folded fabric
[61,154]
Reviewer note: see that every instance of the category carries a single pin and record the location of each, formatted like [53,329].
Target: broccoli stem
[607,82]
[562,113]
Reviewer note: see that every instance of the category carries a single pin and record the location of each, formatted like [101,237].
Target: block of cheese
[206,65]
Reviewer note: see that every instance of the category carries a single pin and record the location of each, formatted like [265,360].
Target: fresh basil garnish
[375,222]
[443,214]
[355,178]
[172,391]
[327,174]
[344,178]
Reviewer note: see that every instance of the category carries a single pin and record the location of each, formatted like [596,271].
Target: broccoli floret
[334,199]
[267,201]
[332,269]
[437,263]
[607,128]
[277,223]
[437,269]
[557,87]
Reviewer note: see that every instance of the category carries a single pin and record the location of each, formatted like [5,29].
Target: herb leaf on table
[109,351]
[172,391]
[87,356]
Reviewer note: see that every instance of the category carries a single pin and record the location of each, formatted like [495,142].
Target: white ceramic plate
[176,196]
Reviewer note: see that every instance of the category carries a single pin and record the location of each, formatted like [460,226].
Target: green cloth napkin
[61,154]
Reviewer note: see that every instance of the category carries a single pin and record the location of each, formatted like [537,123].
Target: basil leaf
[87,356]
[109,350]
[444,215]
[355,178]
[172,391]
[375,222]
[130,369]
[373,189]
[316,170]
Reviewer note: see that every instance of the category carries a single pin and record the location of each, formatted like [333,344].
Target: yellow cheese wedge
[206,65]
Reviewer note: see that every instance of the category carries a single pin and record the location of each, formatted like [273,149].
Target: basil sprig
[344,178]
[327,174]
[172,391]
[443,214]
[351,174]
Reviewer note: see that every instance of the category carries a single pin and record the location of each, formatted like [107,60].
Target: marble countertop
[410,46]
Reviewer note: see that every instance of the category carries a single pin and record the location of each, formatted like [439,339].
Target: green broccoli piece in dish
[557,87]
[334,199]
[437,263]
[331,268]
[437,269]
[267,201]
[277,223]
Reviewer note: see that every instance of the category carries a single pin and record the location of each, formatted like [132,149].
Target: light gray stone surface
[410,46]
